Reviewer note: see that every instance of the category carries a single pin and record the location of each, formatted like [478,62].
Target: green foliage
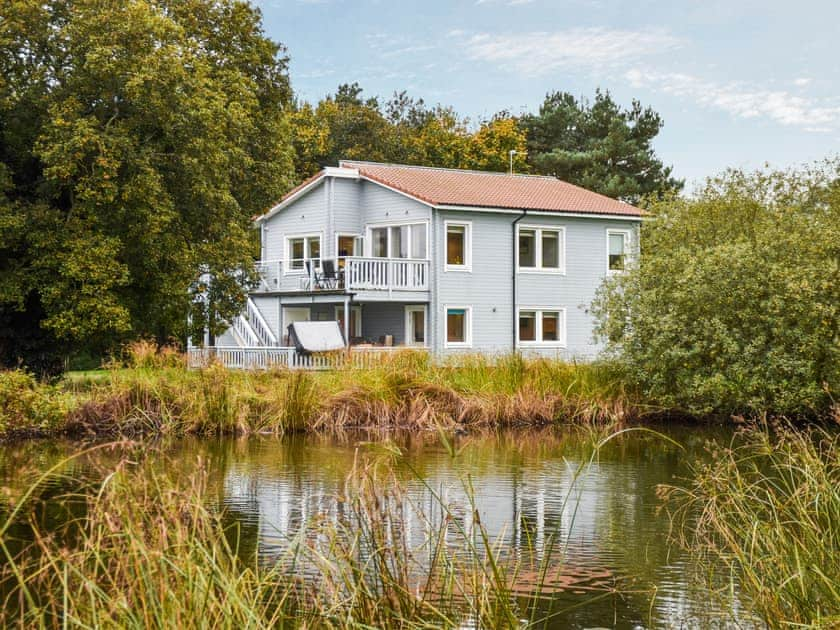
[599,146]
[402,130]
[27,405]
[735,305]
[137,139]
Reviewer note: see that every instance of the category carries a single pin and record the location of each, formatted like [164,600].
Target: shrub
[735,304]
[26,404]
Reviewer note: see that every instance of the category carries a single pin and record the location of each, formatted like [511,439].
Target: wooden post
[347,322]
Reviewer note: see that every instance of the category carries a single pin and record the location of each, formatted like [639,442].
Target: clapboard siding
[379,205]
[487,289]
[384,318]
[586,264]
[347,216]
[307,215]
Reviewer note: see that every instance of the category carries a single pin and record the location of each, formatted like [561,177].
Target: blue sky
[738,83]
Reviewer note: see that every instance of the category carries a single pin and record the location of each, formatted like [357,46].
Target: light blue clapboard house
[448,260]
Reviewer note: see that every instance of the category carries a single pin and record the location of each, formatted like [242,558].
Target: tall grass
[149,552]
[768,506]
[152,391]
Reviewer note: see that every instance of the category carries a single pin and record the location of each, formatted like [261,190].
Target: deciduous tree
[735,305]
[137,138]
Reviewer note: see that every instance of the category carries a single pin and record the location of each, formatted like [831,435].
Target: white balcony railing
[386,274]
[353,273]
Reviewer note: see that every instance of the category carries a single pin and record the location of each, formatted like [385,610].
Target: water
[531,490]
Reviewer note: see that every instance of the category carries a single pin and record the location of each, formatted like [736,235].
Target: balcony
[354,274]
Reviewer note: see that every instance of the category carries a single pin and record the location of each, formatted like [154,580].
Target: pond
[531,490]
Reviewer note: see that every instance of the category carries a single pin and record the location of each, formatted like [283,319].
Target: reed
[149,552]
[768,507]
[152,392]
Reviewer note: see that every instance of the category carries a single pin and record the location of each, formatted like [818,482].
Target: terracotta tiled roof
[443,186]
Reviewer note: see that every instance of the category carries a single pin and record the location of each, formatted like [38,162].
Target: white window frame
[538,230]
[467,343]
[467,266]
[414,308]
[628,256]
[356,308]
[368,238]
[538,324]
[287,251]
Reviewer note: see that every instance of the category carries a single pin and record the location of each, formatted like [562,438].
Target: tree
[599,146]
[403,130]
[137,139]
[735,305]
[342,126]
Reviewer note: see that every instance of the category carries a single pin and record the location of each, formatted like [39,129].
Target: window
[542,326]
[458,246]
[541,249]
[458,326]
[347,245]
[415,325]
[302,248]
[527,248]
[418,241]
[550,249]
[618,242]
[379,242]
[399,241]
[527,326]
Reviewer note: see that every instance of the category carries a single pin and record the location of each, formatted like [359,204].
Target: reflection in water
[533,493]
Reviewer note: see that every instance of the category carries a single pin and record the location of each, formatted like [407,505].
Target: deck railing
[245,332]
[354,273]
[260,358]
[386,274]
[259,325]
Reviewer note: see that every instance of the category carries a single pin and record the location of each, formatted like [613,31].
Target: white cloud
[743,100]
[538,53]
[802,81]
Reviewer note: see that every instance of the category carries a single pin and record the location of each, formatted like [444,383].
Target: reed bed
[154,392]
[147,552]
[768,507]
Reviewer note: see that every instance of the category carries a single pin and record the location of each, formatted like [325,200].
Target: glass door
[415,333]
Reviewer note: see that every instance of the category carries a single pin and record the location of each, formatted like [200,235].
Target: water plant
[154,550]
[768,507]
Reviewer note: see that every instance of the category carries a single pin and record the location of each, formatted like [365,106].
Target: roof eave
[541,212]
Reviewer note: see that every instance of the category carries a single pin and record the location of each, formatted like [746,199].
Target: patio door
[355,320]
[415,325]
[348,245]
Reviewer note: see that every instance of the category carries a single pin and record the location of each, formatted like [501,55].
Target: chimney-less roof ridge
[344,163]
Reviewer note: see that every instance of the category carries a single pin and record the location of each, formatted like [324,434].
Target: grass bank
[153,392]
[767,508]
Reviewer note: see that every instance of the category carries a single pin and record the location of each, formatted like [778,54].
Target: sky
[738,83]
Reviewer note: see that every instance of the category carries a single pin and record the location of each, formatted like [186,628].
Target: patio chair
[306,281]
[329,277]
